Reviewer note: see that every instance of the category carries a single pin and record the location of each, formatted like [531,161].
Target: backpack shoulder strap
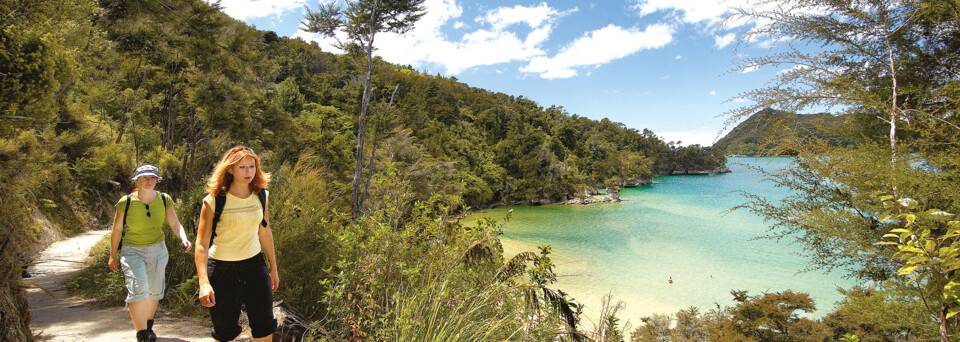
[125,209]
[163,197]
[262,195]
[124,231]
[219,201]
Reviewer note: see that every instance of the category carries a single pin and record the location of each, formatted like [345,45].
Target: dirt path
[67,318]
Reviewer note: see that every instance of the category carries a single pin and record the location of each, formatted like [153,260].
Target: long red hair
[221,180]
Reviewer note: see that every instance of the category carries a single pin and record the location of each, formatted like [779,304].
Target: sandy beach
[576,277]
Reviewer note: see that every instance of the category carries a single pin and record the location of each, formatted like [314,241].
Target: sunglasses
[148,209]
[238,149]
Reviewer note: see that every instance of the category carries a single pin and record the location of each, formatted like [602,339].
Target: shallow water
[678,228]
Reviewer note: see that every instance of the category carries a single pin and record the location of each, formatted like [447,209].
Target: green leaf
[930,246]
[905,236]
[945,251]
[939,215]
[908,270]
[45,203]
[910,249]
[908,203]
[911,218]
[952,312]
[917,259]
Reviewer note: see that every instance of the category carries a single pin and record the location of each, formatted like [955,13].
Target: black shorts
[236,283]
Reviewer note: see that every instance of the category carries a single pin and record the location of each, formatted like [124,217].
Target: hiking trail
[73,318]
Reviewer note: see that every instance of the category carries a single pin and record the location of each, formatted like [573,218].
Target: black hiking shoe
[144,336]
[153,336]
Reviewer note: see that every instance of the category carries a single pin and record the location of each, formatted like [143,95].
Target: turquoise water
[676,229]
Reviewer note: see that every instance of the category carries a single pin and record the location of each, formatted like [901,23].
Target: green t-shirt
[143,231]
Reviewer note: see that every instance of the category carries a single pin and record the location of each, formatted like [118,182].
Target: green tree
[691,326]
[928,243]
[361,21]
[882,64]
[655,328]
[880,315]
[774,317]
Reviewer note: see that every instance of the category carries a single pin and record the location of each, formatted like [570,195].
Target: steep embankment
[69,318]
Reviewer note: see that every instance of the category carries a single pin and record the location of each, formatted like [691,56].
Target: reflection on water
[676,229]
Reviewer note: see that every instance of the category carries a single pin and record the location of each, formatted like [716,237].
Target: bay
[681,229]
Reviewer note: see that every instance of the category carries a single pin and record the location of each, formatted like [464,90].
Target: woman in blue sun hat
[137,247]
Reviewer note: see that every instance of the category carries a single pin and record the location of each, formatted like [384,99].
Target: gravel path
[70,318]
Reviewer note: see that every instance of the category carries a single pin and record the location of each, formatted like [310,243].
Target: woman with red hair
[233,237]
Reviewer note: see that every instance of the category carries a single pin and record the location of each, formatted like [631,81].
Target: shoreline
[593,196]
[576,277]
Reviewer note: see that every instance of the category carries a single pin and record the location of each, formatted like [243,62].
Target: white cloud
[724,40]
[599,47]
[478,48]
[691,11]
[504,17]
[792,69]
[713,93]
[749,69]
[497,39]
[247,9]
[495,42]
[712,12]
[678,57]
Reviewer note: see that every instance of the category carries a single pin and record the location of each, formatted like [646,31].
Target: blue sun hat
[146,170]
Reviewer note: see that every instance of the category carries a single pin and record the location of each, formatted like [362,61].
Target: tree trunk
[894,110]
[171,119]
[361,130]
[186,169]
[943,323]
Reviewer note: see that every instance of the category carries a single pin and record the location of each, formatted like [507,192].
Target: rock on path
[71,318]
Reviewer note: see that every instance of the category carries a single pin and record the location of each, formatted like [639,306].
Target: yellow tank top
[237,232]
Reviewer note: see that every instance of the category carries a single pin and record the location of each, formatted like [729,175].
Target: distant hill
[771,132]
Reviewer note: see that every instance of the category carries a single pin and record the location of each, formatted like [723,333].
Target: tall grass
[438,311]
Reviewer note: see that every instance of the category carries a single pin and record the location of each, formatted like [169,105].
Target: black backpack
[221,200]
[127,207]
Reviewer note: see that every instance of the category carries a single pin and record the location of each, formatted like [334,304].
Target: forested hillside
[770,132]
[176,81]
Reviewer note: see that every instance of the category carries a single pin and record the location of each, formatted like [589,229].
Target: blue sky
[656,64]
